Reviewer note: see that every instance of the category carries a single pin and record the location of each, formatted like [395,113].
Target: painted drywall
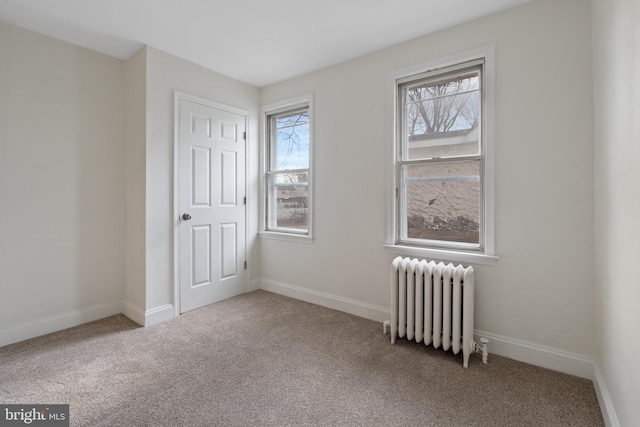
[166,73]
[61,179]
[616,66]
[87,159]
[540,291]
[135,93]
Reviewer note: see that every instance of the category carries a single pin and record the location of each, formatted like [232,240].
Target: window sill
[443,254]
[297,238]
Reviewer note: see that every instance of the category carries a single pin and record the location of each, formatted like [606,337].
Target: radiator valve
[482,348]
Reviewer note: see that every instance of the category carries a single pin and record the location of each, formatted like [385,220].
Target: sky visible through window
[443,106]
[292,133]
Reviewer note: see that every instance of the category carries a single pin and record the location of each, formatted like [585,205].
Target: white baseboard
[47,325]
[159,314]
[132,312]
[604,398]
[536,354]
[357,308]
[254,285]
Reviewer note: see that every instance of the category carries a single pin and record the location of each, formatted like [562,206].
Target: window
[288,169]
[443,183]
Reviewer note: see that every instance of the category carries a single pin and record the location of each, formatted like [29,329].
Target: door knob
[186,216]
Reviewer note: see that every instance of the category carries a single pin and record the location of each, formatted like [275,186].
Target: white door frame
[177,97]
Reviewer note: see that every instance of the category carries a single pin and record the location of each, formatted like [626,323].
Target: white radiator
[433,303]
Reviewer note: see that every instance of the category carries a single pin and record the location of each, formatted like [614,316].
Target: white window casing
[479,61]
[273,174]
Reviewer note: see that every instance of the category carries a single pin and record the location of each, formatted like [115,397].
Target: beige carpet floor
[264,359]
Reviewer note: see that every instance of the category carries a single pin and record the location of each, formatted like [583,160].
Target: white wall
[86,180]
[86,208]
[61,183]
[166,73]
[616,61]
[540,291]
[135,93]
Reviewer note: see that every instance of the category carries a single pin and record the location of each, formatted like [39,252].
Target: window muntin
[288,171]
[440,162]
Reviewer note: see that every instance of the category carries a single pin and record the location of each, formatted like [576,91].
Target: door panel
[201,255]
[228,178]
[201,180]
[228,250]
[211,180]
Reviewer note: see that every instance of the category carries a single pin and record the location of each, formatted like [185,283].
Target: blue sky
[292,150]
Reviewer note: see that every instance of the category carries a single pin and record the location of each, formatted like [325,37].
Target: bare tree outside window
[293,141]
[288,177]
[442,190]
[442,107]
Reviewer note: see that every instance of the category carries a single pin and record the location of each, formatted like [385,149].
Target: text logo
[34,415]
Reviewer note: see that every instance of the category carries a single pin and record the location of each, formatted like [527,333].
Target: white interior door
[212,214]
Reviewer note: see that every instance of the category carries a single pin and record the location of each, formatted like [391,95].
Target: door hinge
[396,192]
[245,265]
[245,200]
[244,135]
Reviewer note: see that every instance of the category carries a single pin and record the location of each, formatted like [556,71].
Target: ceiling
[259,42]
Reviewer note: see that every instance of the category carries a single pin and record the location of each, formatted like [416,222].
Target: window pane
[292,140]
[443,201]
[289,200]
[442,116]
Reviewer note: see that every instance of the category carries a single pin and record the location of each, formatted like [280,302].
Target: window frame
[266,170]
[484,253]
[403,161]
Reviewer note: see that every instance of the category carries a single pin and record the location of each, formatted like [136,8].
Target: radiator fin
[433,303]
